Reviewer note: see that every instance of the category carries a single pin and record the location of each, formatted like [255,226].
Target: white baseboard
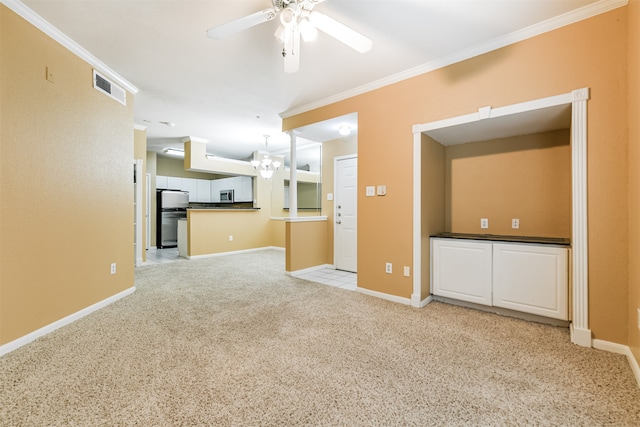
[15,344]
[394,298]
[242,251]
[620,349]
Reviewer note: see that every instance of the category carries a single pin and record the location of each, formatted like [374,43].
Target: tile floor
[329,276]
[326,276]
[162,256]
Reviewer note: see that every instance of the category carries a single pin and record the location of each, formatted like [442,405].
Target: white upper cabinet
[189,185]
[203,190]
[161,182]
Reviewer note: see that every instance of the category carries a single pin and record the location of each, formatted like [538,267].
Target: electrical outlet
[113,268]
[484,222]
[388,268]
[231,238]
[370,190]
[515,223]
[407,271]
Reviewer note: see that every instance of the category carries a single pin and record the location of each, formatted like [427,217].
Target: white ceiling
[231,92]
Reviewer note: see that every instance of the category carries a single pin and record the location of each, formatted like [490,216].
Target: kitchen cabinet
[242,187]
[188,184]
[531,278]
[174,183]
[527,277]
[462,270]
[215,191]
[203,190]
[161,182]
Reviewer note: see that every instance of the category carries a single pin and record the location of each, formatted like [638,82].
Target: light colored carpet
[232,341]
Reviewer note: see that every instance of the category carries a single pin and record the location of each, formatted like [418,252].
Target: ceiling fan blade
[340,32]
[237,25]
[292,49]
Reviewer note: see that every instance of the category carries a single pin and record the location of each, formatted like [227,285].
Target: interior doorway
[346,218]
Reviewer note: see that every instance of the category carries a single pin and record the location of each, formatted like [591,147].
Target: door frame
[579,286]
[335,186]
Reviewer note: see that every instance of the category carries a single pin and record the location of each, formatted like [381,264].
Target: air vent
[109,88]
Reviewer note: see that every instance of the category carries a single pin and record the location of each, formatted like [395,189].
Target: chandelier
[266,166]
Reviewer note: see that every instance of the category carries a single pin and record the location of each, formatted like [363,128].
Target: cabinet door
[174,183]
[189,184]
[161,182]
[461,269]
[203,190]
[531,278]
[215,191]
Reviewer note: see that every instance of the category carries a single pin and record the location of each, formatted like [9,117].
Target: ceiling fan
[297,20]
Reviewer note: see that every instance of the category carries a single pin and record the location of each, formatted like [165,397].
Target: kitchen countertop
[502,238]
[224,209]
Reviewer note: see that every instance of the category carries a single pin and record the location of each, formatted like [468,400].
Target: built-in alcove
[506,143]
[524,177]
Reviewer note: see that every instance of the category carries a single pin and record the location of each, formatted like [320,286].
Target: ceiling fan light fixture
[307,30]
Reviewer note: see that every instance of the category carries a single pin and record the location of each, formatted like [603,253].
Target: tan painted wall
[140,153]
[634,175]
[331,150]
[209,231]
[433,185]
[525,177]
[590,53]
[66,168]
[168,166]
[306,244]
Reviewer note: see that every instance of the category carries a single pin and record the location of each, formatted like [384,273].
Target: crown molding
[554,23]
[40,23]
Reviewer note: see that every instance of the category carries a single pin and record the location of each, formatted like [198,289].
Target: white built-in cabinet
[208,191]
[527,277]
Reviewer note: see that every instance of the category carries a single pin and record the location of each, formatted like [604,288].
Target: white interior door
[346,204]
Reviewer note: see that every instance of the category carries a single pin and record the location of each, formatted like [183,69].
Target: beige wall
[66,168]
[590,53]
[306,244]
[433,196]
[634,175]
[169,166]
[525,177]
[209,231]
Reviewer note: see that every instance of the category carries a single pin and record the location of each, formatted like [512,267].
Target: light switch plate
[382,190]
[329,196]
[370,191]
[407,271]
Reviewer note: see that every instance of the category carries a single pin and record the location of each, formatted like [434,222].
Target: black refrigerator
[172,206]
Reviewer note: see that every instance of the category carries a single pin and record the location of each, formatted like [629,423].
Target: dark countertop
[500,238]
[214,208]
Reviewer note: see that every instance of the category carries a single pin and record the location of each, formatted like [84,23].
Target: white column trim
[293,178]
[416,295]
[580,332]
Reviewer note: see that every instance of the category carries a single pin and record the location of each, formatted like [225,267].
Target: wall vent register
[109,88]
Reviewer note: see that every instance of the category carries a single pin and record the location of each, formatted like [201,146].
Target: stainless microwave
[226,196]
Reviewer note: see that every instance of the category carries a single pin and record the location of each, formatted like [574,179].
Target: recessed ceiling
[231,92]
[525,123]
